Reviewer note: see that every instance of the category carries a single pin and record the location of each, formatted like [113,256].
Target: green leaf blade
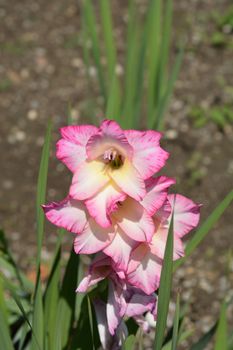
[41,190]
[164,290]
[221,332]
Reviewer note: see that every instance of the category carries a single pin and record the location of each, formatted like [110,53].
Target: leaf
[106,20]
[131,67]
[164,290]
[163,103]
[79,341]
[41,191]
[221,332]
[5,337]
[6,342]
[91,27]
[90,321]
[7,262]
[153,55]
[129,342]
[183,336]
[51,299]
[22,309]
[38,318]
[165,42]
[205,339]
[66,304]
[113,104]
[176,324]
[205,228]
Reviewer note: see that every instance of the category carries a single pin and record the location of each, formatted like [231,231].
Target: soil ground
[42,72]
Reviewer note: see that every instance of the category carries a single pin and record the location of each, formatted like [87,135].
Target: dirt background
[42,73]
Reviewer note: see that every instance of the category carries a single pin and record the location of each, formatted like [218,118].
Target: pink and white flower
[146,259]
[123,299]
[109,163]
[132,222]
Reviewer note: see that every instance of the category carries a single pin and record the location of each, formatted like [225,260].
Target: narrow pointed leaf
[221,333]
[90,321]
[5,338]
[131,67]
[113,104]
[129,342]
[66,304]
[106,20]
[38,318]
[51,300]
[165,43]
[41,190]
[164,101]
[91,27]
[176,324]
[205,339]
[164,290]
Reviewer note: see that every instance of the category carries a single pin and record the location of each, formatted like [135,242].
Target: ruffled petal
[156,193]
[133,219]
[140,303]
[113,307]
[129,180]
[148,156]
[100,206]
[147,274]
[89,178]
[71,149]
[110,135]
[98,270]
[93,239]
[186,214]
[69,214]
[120,248]
[102,324]
[159,240]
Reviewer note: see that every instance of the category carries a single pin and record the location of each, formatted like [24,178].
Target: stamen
[113,158]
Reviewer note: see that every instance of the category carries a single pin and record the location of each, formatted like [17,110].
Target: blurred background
[44,74]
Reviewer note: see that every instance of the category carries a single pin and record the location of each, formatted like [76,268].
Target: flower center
[113,158]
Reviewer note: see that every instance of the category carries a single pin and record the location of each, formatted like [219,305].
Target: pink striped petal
[129,180]
[110,135]
[140,303]
[93,239]
[133,219]
[163,214]
[113,306]
[120,248]
[98,270]
[71,149]
[70,154]
[156,195]
[137,255]
[108,341]
[101,205]
[88,180]
[148,156]
[102,324]
[186,214]
[69,214]
[159,240]
[147,274]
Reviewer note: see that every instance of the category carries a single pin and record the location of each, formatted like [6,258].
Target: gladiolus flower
[109,163]
[145,263]
[123,299]
[132,222]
